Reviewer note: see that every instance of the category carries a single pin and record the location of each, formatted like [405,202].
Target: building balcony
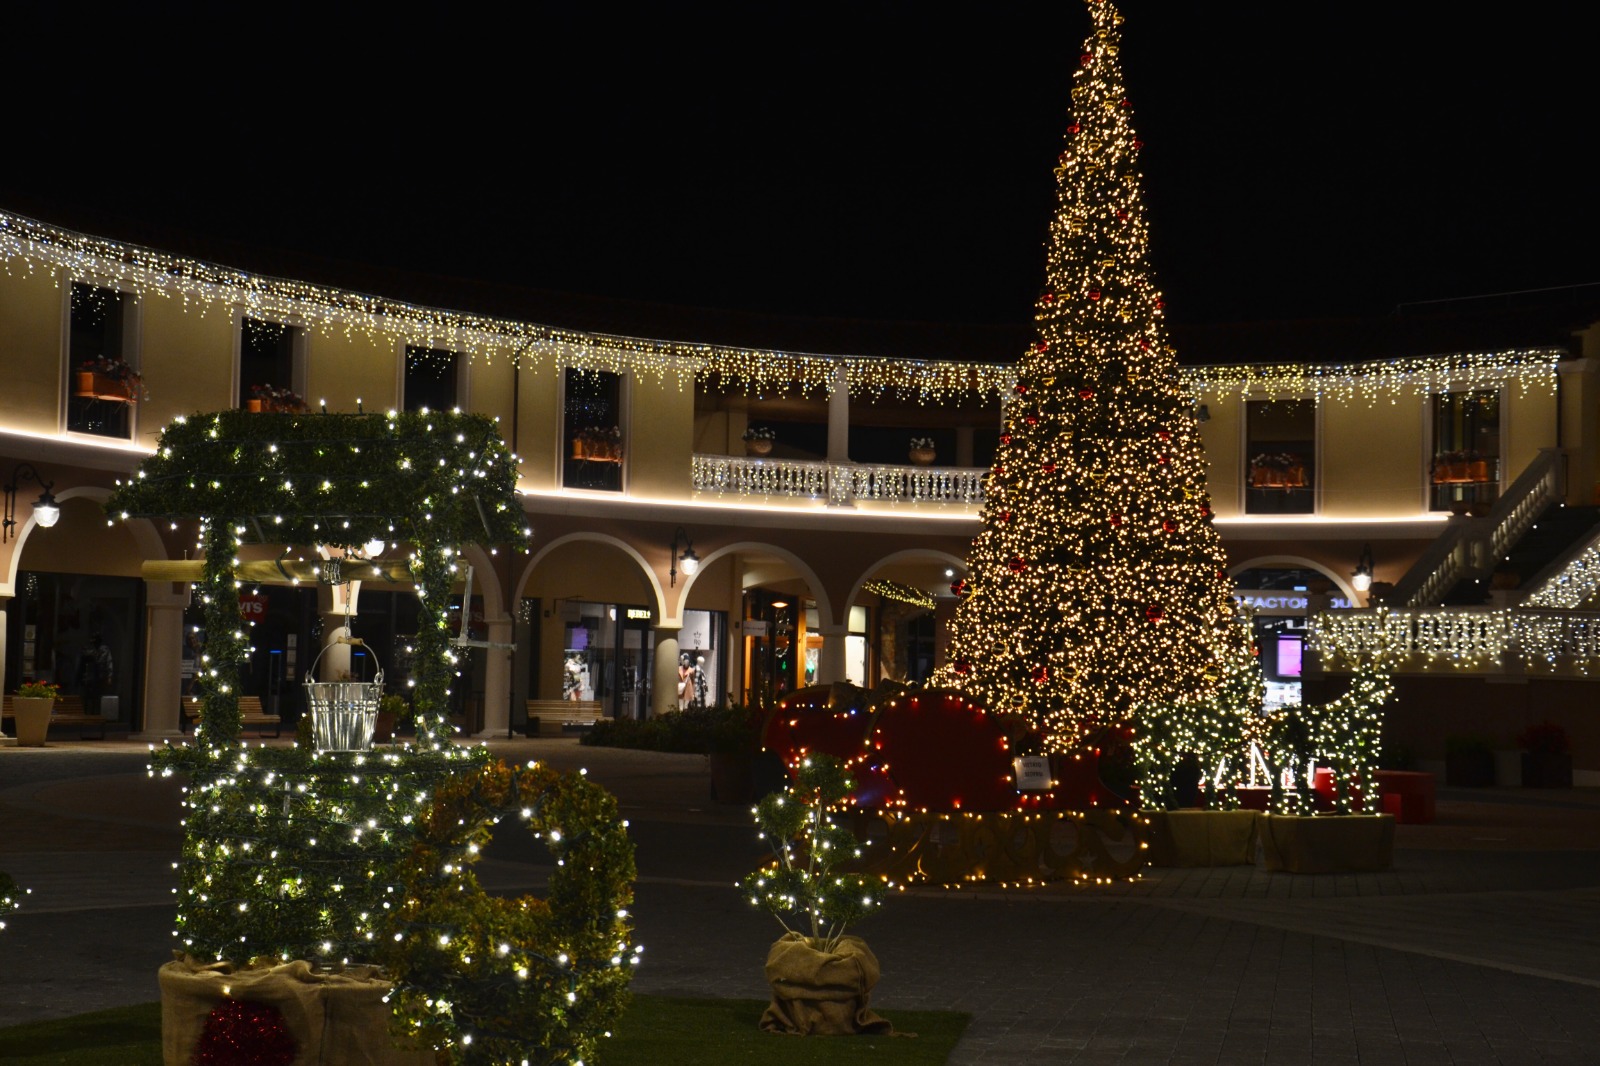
[865,485]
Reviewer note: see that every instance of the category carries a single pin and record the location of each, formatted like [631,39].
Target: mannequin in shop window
[700,681]
[572,679]
[685,680]
[94,673]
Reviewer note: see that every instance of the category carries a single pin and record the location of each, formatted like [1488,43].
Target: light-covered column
[664,672]
[497,680]
[839,418]
[831,664]
[163,659]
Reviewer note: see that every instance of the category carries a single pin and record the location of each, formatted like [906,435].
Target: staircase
[1556,530]
[1466,553]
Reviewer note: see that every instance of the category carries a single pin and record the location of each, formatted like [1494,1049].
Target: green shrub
[695,730]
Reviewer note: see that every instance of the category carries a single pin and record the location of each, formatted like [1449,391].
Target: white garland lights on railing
[1576,584]
[147,272]
[1463,639]
[838,483]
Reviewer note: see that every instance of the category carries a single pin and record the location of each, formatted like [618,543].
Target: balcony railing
[839,484]
[1467,639]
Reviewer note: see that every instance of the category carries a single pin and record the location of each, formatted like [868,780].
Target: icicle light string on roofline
[329,310]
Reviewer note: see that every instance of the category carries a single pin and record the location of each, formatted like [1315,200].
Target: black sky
[882,161]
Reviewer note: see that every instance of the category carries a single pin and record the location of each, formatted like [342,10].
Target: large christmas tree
[1097,583]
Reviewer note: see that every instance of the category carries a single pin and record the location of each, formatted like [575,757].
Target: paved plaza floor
[1481,945]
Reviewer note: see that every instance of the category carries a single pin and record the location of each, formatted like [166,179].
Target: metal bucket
[343,713]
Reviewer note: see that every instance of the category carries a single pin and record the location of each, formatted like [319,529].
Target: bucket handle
[354,642]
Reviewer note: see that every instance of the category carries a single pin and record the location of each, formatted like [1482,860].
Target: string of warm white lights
[204,286]
[1098,582]
[1461,639]
[894,590]
[1575,585]
[1377,380]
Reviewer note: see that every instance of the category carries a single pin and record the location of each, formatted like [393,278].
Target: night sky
[873,161]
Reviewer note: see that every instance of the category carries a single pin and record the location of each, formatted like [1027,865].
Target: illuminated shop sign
[1272,601]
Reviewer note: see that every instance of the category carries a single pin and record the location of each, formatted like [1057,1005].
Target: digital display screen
[1290,652]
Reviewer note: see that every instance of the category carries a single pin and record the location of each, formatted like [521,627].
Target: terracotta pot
[758,446]
[32,715]
[253,406]
[922,456]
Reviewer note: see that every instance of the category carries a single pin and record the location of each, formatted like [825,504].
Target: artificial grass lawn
[656,1031]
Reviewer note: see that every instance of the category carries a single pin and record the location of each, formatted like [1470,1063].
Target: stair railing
[1468,547]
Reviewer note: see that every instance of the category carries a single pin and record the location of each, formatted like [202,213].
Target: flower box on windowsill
[1470,472]
[93,385]
[1266,477]
[273,407]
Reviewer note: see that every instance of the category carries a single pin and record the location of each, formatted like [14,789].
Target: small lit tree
[803,886]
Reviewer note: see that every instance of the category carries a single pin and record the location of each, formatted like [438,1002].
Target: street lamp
[1361,578]
[45,509]
[688,561]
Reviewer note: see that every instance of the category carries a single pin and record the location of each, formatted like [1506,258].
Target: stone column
[664,672]
[5,741]
[831,665]
[497,680]
[964,446]
[331,604]
[839,418]
[163,659]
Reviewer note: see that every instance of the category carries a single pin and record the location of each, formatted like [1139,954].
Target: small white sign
[1033,773]
[753,628]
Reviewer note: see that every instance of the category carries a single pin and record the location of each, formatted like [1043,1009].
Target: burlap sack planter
[822,993]
[335,1018]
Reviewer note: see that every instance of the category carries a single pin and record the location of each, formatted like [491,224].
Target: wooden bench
[561,717]
[69,711]
[250,714]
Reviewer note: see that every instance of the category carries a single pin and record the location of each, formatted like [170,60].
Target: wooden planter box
[1203,838]
[1327,843]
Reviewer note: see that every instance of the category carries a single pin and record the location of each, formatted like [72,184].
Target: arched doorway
[1281,593]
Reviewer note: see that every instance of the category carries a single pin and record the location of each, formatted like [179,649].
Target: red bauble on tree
[1016,565]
